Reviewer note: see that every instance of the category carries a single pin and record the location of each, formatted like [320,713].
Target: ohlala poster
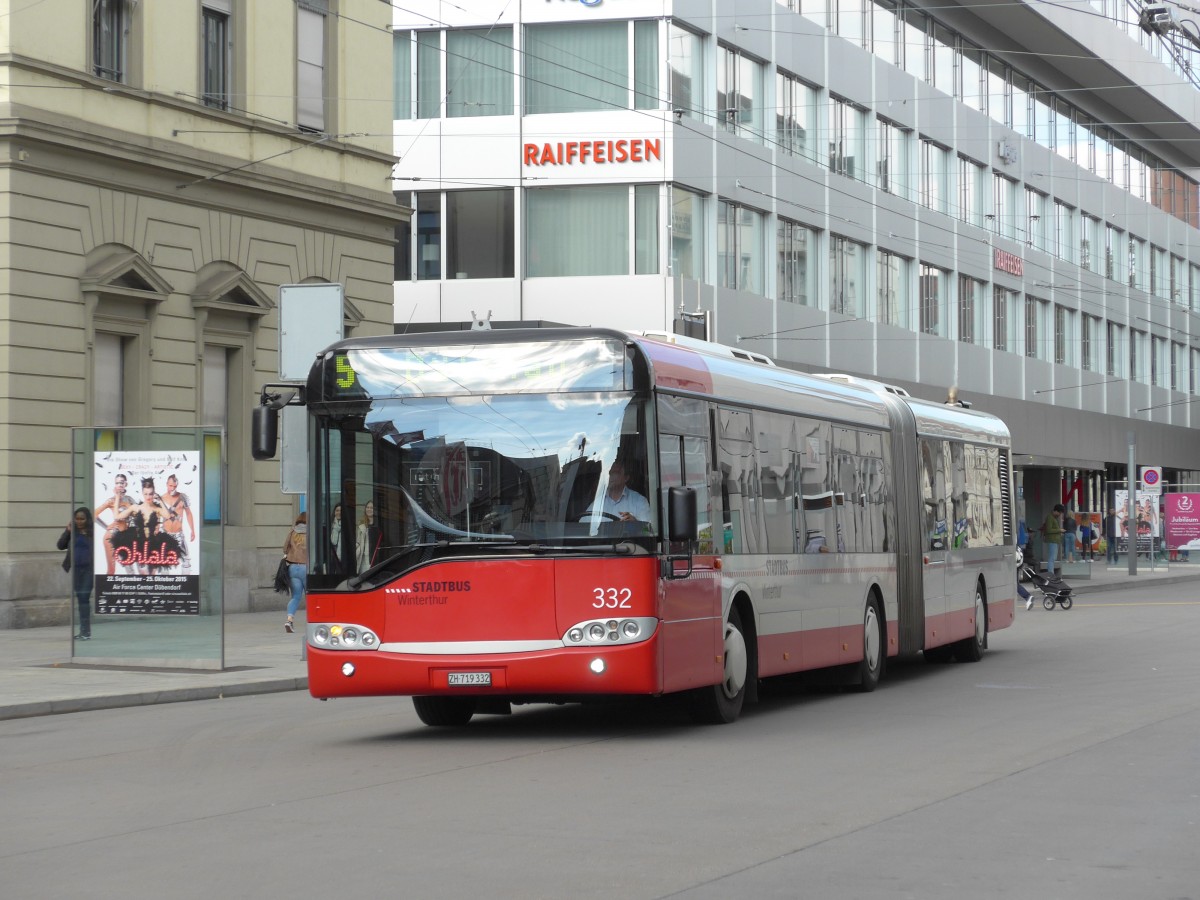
[146,550]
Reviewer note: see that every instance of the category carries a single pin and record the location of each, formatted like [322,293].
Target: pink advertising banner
[1183,521]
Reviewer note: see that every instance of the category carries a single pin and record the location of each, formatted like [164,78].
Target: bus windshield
[415,476]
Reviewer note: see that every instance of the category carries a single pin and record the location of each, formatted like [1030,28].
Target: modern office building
[164,168]
[998,197]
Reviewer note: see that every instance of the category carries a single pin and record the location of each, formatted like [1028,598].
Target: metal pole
[1131,511]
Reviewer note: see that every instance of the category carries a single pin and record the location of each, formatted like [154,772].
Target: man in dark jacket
[1111,530]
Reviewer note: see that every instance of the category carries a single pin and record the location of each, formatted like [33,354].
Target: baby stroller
[1052,588]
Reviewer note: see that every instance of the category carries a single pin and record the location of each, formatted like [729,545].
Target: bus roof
[717,372]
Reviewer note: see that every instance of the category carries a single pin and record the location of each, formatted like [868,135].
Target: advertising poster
[1146,527]
[147,552]
[1183,522]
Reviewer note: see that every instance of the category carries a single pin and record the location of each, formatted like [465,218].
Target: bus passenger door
[691,614]
[935,537]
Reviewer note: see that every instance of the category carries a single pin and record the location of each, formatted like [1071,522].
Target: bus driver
[621,501]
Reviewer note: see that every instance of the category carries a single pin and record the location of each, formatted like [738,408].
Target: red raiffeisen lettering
[510,619]
[566,153]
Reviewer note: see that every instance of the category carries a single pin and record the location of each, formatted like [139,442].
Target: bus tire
[870,669]
[444,711]
[722,703]
[971,649]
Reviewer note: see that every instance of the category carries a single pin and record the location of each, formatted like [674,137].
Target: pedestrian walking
[295,551]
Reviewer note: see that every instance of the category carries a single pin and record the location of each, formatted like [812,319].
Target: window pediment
[117,272]
[226,288]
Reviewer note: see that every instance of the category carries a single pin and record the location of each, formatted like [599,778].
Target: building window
[1138,361]
[111,24]
[429,74]
[795,247]
[740,93]
[971,312]
[941,73]
[848,19]
[1113,350]
[891,167]
[109,367]
[687,234]
[555,245]
[1035,327]
[1087,242]
[590,66]
[971,76]
[686,64]
[1064,231]
[215,55]
[933,300]
[479,66]
[795,116]
[311,88]
[479,234]
[846,138]
[1004,194]
[1035,216]
[1176,282]
[1178,361]
[428,213]
[739,247]
[934,176]
[1006,335]
[1159,362]
[1089,336]
[892,288]
[1115,253]
[402,76]
[847,275]
[1064,334]
[1137,263]
[914,47]
[884,39]
[970,191]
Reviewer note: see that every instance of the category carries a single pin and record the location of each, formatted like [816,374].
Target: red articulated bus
[550,515]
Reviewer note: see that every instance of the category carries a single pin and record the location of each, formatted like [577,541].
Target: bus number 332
[612,598]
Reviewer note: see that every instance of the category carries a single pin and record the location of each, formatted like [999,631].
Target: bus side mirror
[681,515]
[264,432]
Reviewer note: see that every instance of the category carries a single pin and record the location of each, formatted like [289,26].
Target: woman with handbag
[295,552]
[76,539]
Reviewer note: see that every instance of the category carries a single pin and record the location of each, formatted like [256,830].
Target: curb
[1085,587]
[148,698]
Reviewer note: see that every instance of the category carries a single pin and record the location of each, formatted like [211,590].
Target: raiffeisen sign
[592,152]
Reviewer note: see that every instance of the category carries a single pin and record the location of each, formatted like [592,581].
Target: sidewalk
[37,676]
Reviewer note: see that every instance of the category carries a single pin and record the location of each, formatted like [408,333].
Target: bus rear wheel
[722,703]
[444,711]
[870,670]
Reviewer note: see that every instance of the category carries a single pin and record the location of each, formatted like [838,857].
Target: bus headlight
[611,631]
[341,636]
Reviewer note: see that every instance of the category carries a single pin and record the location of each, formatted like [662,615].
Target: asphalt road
[1066,764]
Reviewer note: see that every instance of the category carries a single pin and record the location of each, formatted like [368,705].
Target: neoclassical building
[164,168]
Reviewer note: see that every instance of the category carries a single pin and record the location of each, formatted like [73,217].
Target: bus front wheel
[722,703]
[444,711]
[971,649]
